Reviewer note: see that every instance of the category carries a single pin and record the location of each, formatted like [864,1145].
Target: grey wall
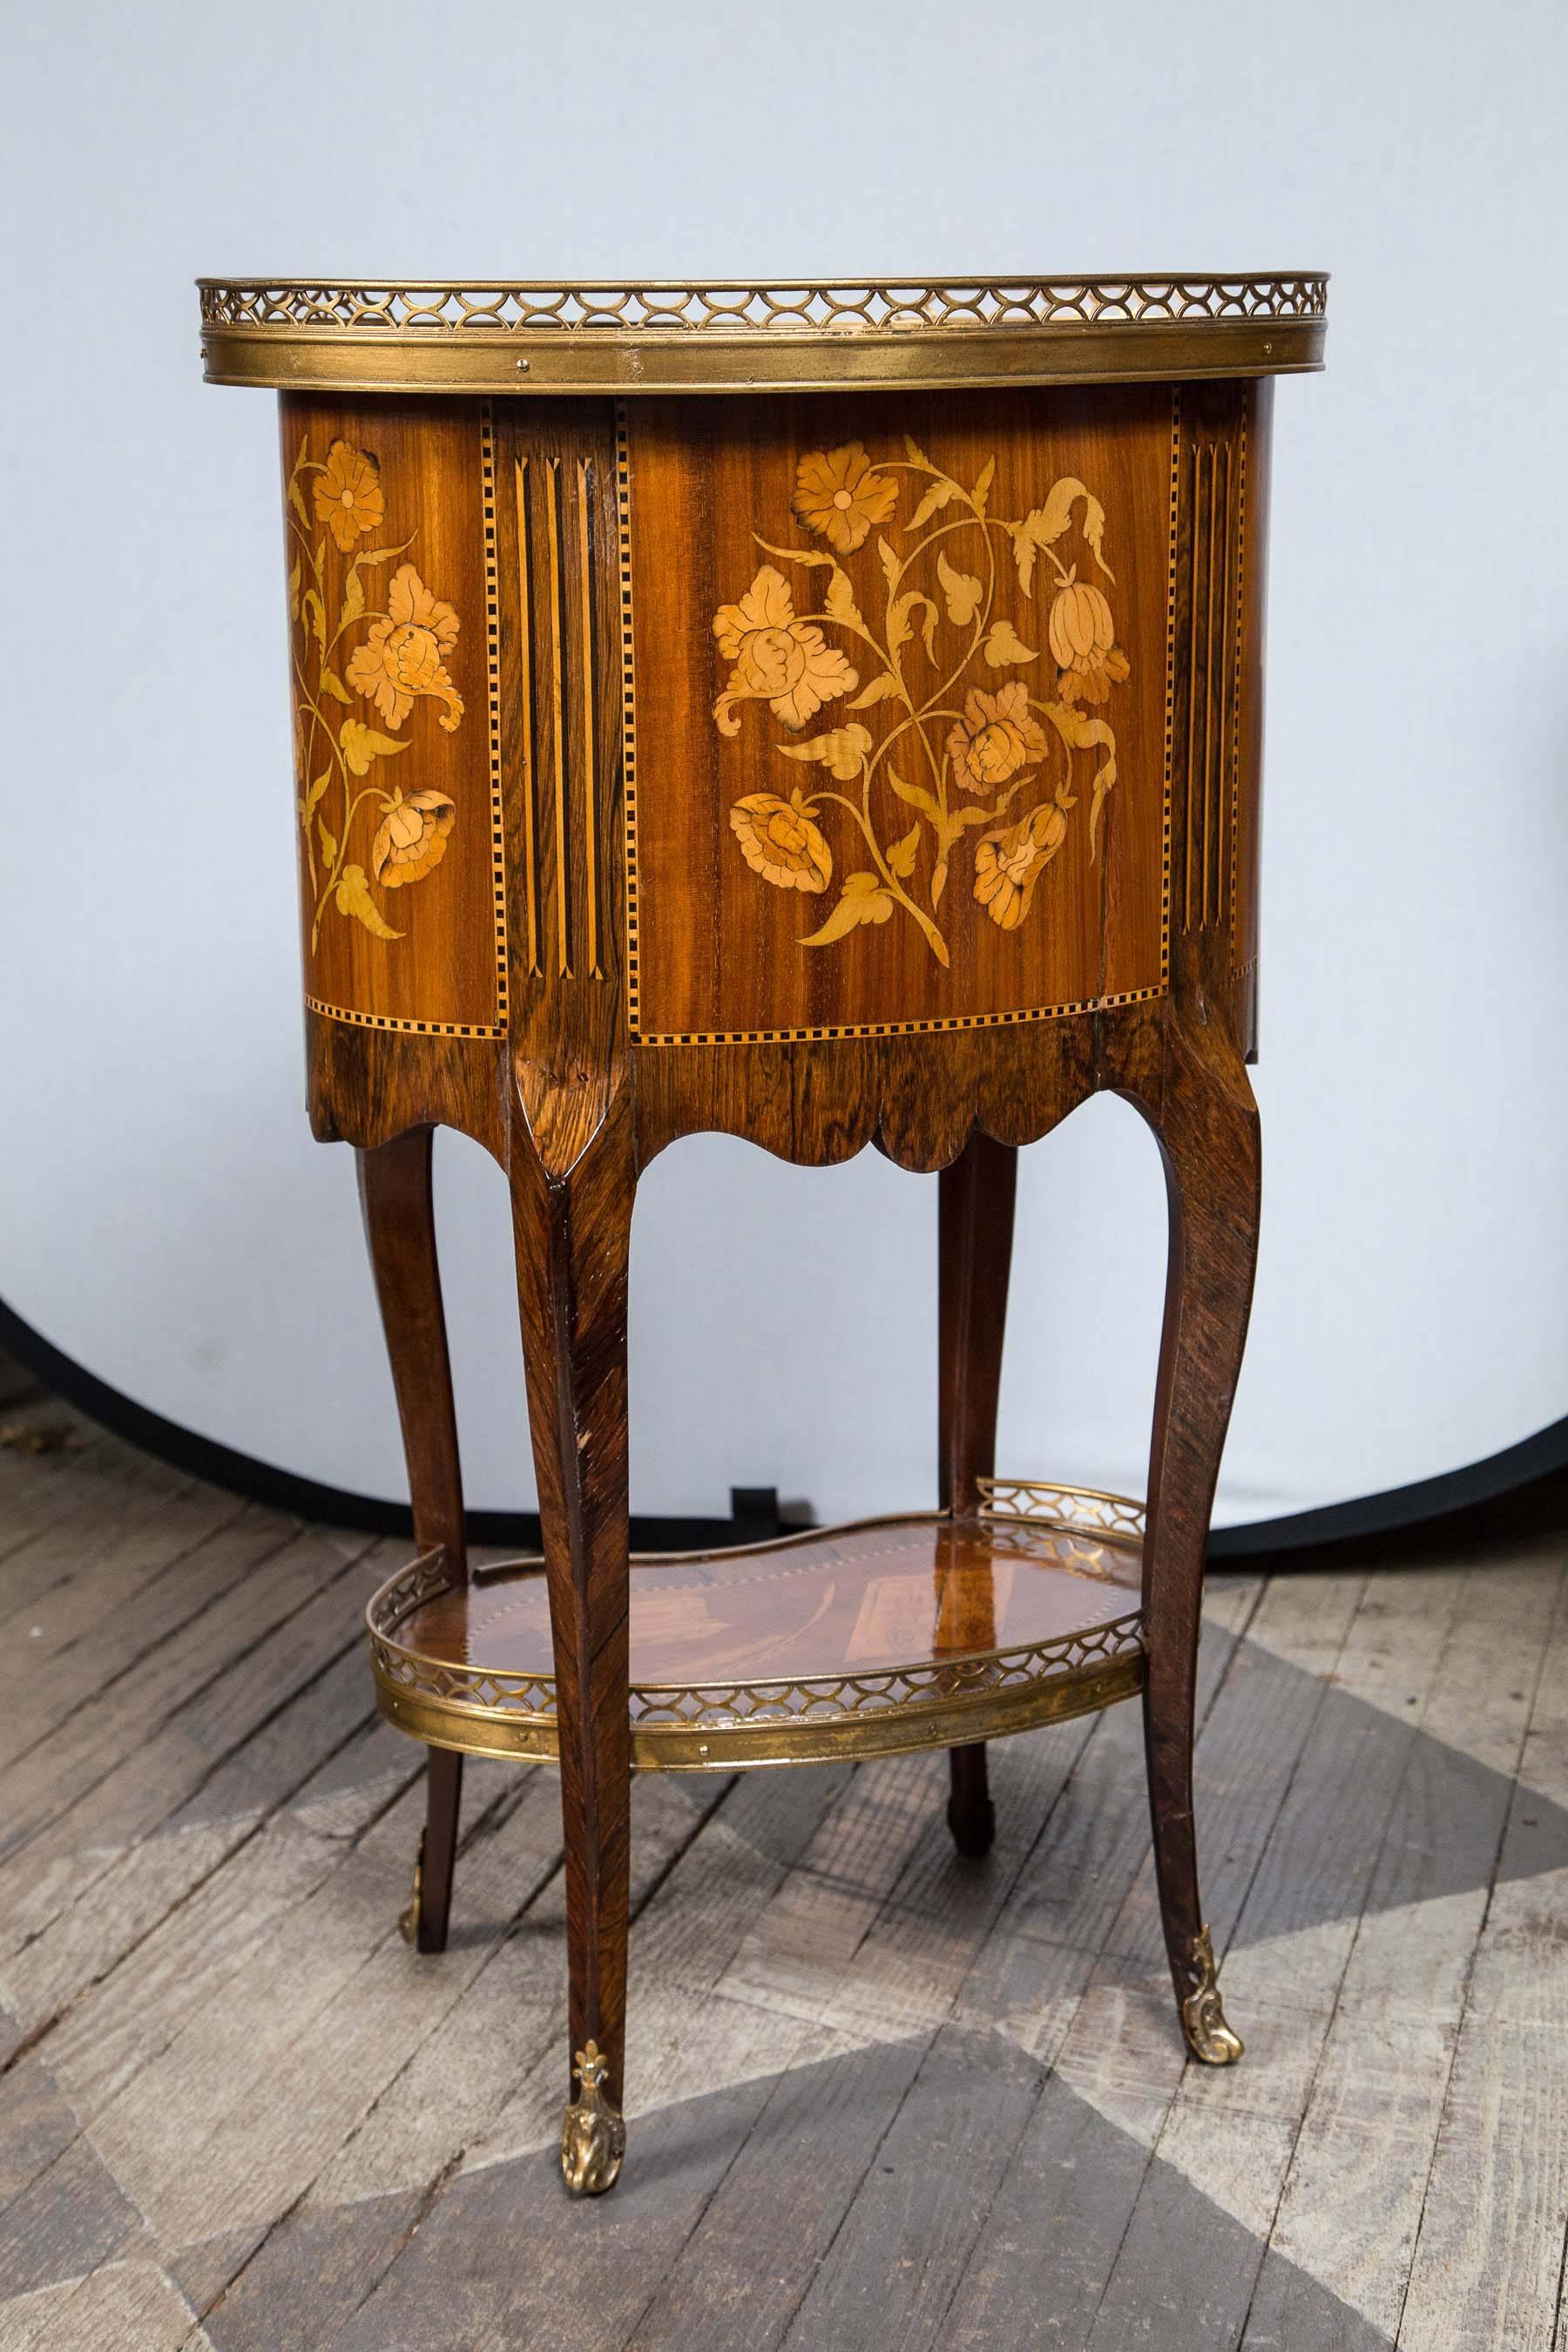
[164,1215]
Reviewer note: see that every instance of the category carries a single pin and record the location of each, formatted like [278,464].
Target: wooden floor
[878,2096]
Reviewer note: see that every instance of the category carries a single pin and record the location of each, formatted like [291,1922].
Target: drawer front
[725,721]
[903,685]
[394,634]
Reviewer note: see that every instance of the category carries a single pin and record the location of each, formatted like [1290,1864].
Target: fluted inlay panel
[559,690]
[1208,721]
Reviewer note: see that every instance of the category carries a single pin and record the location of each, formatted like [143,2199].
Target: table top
[425,335]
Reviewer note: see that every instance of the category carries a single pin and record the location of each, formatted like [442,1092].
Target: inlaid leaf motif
[373,555]
[842,753]
[332,684]
[329,841]
[864,901]
[880,687]
[1043,526]
[933,501]
[915,795]
[810,558]
[1075,728]
[963,591]
[983,816]
[353,600]
[840,599]
[1004,646]
[295,495]
[903,855]
[900,627]
[361,745]
[1082,733]
[352,897]
[951,828]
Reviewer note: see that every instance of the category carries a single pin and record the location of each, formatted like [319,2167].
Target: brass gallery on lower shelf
[939,1701]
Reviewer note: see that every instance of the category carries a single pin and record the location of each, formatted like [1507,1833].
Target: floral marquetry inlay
[364,657]
[987,741]
[900,682]
[393,651]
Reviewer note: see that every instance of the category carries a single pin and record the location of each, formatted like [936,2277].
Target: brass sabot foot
[408,1921]
[593,2135]
[1209,2038]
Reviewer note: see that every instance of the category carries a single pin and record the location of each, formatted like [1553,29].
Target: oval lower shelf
[916,1631]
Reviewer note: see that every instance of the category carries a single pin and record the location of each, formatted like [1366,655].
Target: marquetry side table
[833,715]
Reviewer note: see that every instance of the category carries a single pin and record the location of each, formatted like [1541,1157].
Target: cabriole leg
[400,1232]
[1207,1129]
[573,1235]
[975,1252]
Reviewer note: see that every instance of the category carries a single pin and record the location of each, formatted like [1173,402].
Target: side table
[831,715]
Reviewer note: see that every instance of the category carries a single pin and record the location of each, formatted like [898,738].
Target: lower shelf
[916,1631]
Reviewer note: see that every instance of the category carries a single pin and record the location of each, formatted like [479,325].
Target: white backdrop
[164,1215]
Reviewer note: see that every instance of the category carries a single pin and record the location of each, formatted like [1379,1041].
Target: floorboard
[878,2096]
[1489,2257]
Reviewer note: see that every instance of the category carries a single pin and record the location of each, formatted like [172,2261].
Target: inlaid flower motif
[348,493]
[1008,861]
[839,494]
[997,735]
[1083,643]
[411,838]
[779,660]
[401,658]
[780,842]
